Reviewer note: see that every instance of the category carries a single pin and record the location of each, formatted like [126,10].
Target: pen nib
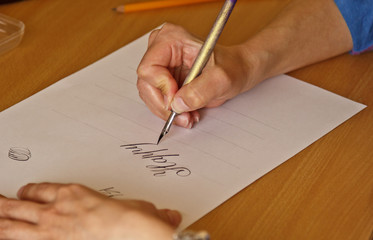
[167,126]
[160,137]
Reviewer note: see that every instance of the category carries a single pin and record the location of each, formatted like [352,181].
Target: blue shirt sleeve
[358,15]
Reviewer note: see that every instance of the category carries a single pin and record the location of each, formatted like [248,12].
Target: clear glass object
[11,33]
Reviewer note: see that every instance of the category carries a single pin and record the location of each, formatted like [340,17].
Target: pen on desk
[203,55]
[150,5]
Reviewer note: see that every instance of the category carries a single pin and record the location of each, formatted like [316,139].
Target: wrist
[256,61]
[269,52]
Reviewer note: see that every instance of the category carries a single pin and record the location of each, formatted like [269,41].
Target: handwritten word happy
[161,165]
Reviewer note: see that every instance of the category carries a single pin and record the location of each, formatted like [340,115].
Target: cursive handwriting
[19,154]
[160,159]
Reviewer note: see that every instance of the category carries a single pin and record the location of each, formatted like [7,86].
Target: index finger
[20,210]
[154,69]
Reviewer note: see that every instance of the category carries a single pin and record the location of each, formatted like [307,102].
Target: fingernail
[20,191]
[196,118]
[190,125]
[183,120]
[174,217]
[179,106]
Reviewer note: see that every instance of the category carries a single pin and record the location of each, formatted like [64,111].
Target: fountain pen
[203,55]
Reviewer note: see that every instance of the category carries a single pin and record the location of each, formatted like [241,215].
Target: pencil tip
[119,9]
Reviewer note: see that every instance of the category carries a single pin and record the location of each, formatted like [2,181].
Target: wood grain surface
[324,192]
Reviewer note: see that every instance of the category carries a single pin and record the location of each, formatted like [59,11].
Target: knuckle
[143,71]
[69,190]
[37,190]
[153,34]
[76,187]
[173,28]
[167,25]
[47,214]
[7,207]
[146,204]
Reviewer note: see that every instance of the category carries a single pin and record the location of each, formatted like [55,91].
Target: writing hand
[71,211]
[171,53]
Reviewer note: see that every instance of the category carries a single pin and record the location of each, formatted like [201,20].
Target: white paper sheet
[74,131]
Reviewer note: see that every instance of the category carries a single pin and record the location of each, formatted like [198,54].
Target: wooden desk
[324,192]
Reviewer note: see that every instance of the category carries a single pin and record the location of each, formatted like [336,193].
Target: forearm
[305,32]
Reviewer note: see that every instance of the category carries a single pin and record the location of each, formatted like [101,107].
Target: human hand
[170,55]
[71,211]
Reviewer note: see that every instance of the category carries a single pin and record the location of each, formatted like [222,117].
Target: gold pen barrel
[204,54]
[211,40]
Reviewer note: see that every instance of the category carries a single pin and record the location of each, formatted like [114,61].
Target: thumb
[209,89]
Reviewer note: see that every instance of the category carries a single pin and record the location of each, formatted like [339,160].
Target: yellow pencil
[149,5]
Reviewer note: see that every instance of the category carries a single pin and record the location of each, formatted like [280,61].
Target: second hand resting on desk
[203,55]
